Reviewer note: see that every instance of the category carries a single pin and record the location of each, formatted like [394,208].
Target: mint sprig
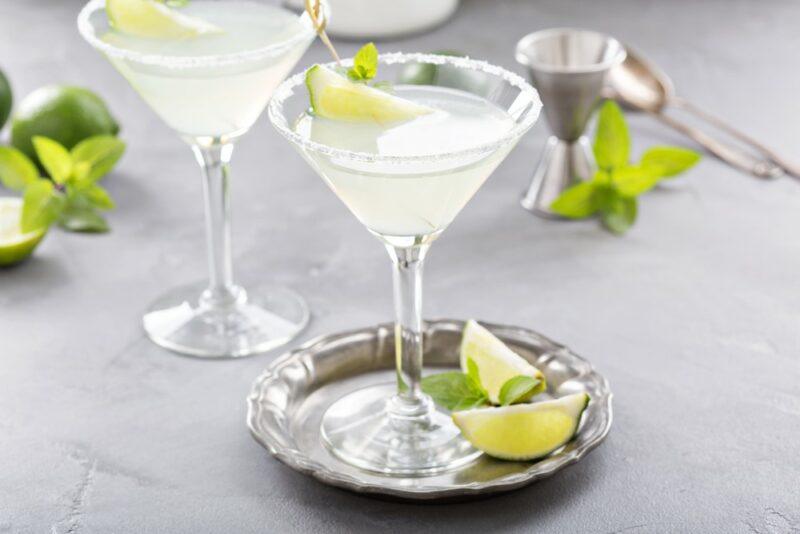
[71,197]
[517,389]
[612,192]
[365,64]
[454,391]
[457,391]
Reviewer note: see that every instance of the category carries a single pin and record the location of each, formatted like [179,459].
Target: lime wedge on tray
[496,362]
[14,245]
[523,431]
[335,97]
[151,19]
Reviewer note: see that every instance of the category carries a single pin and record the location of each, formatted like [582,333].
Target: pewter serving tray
[287,402]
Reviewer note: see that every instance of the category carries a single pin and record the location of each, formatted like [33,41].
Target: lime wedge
[333,96]
[523,431]
[152,19]
[14,245]
[496,362]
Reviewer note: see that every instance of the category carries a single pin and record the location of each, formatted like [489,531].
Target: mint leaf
[98,197]
[517,389]
[54,157]
[612,142]
[454,391]
[94,157]
[669,160]
[633,180]
[80,216]
[578,201]
[365,63]
[475,375]
[620,214]
[176,3]
[472,371]
[16,170]
[41,205]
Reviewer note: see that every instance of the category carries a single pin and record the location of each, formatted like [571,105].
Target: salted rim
[286,90]
[87,30]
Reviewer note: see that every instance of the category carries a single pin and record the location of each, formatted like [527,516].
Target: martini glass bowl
[210,90]
[407,200]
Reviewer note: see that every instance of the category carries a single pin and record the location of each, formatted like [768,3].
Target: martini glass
[210,89]
[406,184]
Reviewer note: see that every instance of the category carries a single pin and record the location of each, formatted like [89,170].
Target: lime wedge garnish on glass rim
[496,362]
[523,431]
[335,97]
[153,19]
[14,245]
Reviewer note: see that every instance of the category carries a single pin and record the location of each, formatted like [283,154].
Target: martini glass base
[360,429]
[259,319]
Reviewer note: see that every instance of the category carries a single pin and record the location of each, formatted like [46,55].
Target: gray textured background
[693,316]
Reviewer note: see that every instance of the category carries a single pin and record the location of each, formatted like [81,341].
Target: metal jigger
[568,67]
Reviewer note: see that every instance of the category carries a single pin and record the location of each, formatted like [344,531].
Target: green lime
[154,20]
[6,99]
[14,245]
[496,362]
[63,113]
[333,96]
[523,431]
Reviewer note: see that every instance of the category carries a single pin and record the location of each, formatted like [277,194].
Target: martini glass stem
[410,404]
[214,160]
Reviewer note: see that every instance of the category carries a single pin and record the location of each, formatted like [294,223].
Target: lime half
[496,362]
[523,431]
[335,97]
[151,19]
[14,245]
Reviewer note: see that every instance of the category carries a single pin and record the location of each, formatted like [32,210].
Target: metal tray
[287,402]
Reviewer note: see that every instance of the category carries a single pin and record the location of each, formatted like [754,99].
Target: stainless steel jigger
[568,66]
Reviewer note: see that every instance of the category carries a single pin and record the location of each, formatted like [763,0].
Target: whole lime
[63,113]
[5,99]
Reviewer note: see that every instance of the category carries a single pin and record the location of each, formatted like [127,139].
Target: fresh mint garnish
[80,215]
[619,213]
[457,391]
[454,391]
[42,205]
[365,64]
[614,189]
[95,157]
[517,389]
[17,171]
[472,371]
[669,160]
[175,3]
[71,197]
[54,157]
[612,141]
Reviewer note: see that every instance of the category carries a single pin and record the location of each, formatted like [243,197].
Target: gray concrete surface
[694,316]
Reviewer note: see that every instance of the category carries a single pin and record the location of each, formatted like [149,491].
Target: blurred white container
[365,19]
